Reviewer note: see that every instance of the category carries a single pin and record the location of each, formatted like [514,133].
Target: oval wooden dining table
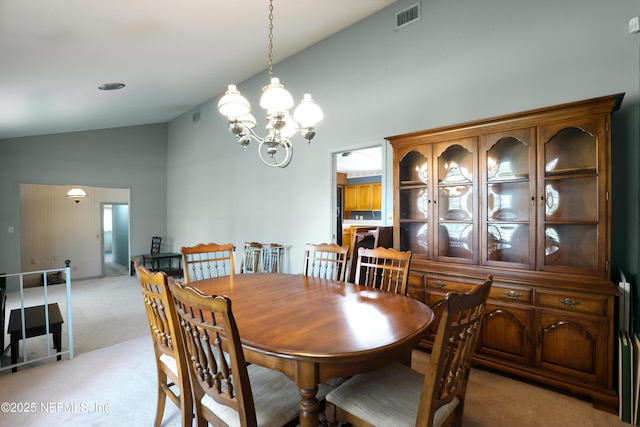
[314,329]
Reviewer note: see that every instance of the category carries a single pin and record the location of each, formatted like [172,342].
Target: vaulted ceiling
[171,55]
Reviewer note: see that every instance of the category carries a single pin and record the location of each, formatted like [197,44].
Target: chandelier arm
[288,151]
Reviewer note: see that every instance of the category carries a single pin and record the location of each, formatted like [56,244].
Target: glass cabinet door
[508,206]
[455,169]
[569,204]
[414,202]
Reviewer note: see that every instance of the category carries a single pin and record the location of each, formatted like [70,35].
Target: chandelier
[76,194]
[275,149]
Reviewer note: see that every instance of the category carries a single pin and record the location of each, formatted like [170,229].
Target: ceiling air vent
[407,16]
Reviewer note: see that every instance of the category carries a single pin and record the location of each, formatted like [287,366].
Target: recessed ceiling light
[111,86]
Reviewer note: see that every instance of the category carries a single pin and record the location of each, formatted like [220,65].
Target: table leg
[14,352]
[57,341]
[308,387]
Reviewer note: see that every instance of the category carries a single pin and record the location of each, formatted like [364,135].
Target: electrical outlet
[634,25]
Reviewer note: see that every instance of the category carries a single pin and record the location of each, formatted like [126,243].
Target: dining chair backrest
[383,268]
[400,396]
[156,242]
[208,325]
[328,261]
[262,258]
[251,257]
[452,353]
[171,363]
[207,260]
[272,258]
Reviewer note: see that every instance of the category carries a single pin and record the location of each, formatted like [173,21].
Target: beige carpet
[115,385]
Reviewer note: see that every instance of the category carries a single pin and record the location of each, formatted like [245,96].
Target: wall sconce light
[76,194]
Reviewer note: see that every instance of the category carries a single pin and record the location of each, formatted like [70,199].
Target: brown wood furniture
[325,260]
[171,363]
[313,329]
[35,324]
[263,258]
[382,268]
[227,391]
[525,197]
[433,399]
[207,260]
[362,197]
[361,237]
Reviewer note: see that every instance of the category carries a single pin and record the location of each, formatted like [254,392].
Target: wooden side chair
[399,396]
[226,390]
[251,257]
[171,362]
[205,261]
[271,258]
[383,268]
[328,261]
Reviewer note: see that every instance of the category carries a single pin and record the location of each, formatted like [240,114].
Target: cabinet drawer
[510,294]
[577,303]
[448,285]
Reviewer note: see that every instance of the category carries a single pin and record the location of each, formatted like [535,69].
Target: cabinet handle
[513,294]
[439,284]
[568,302]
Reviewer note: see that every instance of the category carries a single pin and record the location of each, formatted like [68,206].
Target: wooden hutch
[524,197]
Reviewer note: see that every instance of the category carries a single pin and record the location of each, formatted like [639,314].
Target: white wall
[464,60]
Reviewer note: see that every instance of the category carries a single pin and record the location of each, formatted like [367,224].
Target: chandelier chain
[270,39]
[281,125]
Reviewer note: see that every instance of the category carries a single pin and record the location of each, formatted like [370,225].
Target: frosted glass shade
[275,97]
[307,113]
[233,104]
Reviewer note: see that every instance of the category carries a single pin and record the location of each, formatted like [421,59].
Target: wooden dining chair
[227,391]
[251,257]
[399,396]
[207,260]
[383,268]
[328,261]
[171,363]
[271,258]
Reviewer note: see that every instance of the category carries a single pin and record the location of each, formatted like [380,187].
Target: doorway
[115,239]
[356,165]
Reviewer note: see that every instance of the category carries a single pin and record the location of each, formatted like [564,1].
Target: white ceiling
[362,162]
[172,55]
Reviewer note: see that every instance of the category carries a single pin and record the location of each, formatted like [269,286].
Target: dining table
[314,330]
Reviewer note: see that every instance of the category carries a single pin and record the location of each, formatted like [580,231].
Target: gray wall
[464,60]
[131,157]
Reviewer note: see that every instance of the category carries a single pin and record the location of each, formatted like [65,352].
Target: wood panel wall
[54,228]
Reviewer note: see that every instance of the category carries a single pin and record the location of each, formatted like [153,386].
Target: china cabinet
[523,197]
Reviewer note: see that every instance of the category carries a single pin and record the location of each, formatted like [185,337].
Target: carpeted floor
[111,381]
